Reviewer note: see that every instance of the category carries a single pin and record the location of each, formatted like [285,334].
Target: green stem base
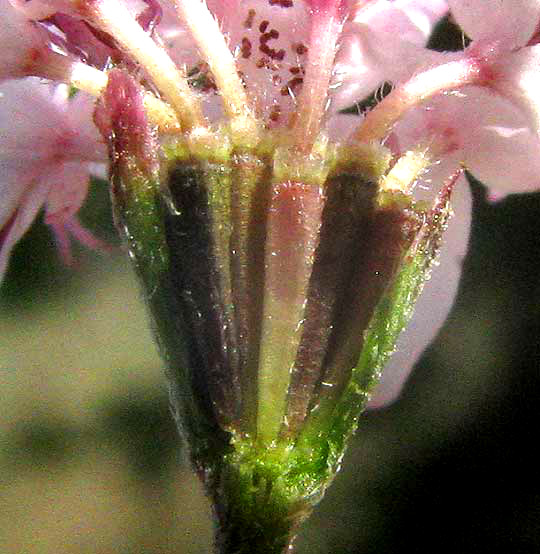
[253,515]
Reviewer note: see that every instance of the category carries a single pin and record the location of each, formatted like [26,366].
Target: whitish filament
[93,81]
[215,50]
[452,75]
[116,19]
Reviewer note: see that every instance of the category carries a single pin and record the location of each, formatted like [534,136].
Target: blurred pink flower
[48,149]
[489,126]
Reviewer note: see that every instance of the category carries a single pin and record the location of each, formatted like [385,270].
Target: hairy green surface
[205,297]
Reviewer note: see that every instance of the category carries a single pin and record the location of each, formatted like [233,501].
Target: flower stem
[258,502]
[260,529]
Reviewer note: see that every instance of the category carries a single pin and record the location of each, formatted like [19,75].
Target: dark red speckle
[299,48]
[246,48]
[281,3]
[292,86]
[248,23]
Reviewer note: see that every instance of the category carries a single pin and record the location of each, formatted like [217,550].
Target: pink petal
[370,60]
[34,118]
[14,184]
[385,42]
[21,42]
[512,21]
[43,9]
[482,130]
[412,20]
[505,157]
[40,9]
[424,13]
[47,147]
[23,154]
[63,244]
[44,123]
[12,229]
[68,186]
[516,76]
[70,229]
[37,9]
[86,237]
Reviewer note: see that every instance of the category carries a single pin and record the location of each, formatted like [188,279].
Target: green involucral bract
[278,286]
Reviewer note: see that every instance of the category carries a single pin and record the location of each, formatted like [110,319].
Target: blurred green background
[90,462]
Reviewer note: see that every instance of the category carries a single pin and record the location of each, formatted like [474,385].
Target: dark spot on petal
[292,86]
[263,26]
[275,114]
[246,48]
[242,76]
[248,23]
[281,3]
[299,48]
[200,77]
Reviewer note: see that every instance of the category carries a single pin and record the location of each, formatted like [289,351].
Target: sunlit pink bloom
[512,33]
[48,147]
[492,129]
